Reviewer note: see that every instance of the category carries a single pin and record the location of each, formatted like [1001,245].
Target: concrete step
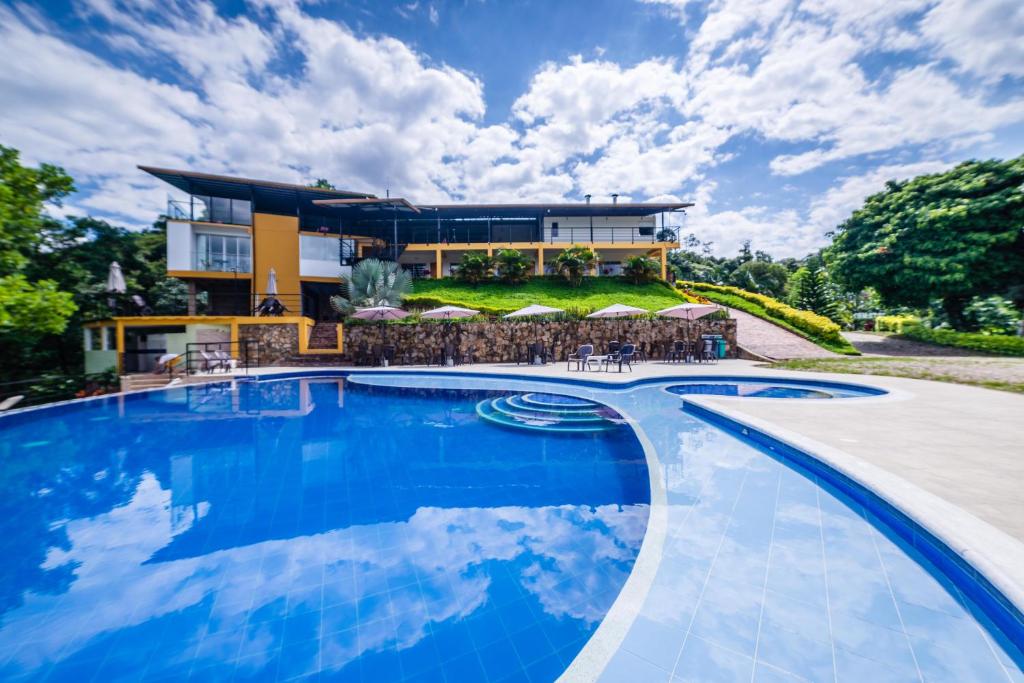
[324,336]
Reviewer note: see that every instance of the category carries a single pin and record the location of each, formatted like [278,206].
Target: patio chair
[707,353]
[624,356]
[227,362]
[613,347]
[676,351]
[581,358]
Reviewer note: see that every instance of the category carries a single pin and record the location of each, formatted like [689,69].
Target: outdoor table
[600,359]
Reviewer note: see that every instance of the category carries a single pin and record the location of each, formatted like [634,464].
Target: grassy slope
[842,346]
[973,371]
[497,298]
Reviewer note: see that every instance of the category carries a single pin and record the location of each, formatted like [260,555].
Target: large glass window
[320,248]
[223,253]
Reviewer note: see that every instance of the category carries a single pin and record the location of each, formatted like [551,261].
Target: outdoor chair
[361,354]
[624,356]
[468,356]
[641,353]
[227,362]
[707,353]
[676,352]
[613,347]
[581,358]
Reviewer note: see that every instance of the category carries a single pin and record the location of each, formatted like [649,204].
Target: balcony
[205,209]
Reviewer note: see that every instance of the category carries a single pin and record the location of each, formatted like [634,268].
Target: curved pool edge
[598,651]
[958,543]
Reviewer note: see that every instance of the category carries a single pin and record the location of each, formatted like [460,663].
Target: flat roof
[236,187]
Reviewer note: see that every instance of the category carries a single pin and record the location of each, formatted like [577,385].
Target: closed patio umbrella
[272,283]
[115,279]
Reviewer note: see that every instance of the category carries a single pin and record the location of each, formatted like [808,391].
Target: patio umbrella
[618,311]
[688,312]
[272,283]
[531,311]
[115,285]
[380,314]
[448,312]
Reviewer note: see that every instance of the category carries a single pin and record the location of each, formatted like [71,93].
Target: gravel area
[876,344]
[985,371]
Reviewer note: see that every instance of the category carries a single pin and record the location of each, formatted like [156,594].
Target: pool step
[538,412]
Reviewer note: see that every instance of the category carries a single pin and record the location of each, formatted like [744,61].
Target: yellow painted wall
[275,245]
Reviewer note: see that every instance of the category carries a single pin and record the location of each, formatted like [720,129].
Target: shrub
[513,267]
[574,262]
[1003,345]
[992,315]
[817,328]
[475,267]
[895,323]
[641,269]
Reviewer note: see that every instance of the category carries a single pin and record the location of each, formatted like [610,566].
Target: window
[223,253]
[554,229]
[320,248]
[647,230]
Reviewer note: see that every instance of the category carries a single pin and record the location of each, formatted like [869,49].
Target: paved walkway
[771,341]
[874,344]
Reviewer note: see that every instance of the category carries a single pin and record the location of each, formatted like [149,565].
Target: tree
[373,283]
[761,276]
[513,267]
[950,236]
[640,269]
[475,267]
[810,289]
[28,307]
[322,184]
[574,262]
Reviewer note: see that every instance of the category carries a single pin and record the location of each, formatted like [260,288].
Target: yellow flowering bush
[895,323]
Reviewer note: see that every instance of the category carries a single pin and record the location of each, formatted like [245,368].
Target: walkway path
[874,344]
[771,341]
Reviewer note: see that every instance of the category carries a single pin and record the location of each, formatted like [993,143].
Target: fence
[222,356]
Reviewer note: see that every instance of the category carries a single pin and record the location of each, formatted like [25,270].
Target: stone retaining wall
[277,343]
[494,342]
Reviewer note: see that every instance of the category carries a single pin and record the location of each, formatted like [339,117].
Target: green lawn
[496,298]
[1005,374]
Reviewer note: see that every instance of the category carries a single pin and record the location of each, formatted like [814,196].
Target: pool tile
[626,667]
[466,667]
[804,657]
[655,642]
[764,673]
[704,662]
[940,663]
[866,639]
[728,616]
[810,621]
[851,668]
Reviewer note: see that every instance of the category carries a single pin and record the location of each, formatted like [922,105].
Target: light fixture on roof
[615,197]
[587,197]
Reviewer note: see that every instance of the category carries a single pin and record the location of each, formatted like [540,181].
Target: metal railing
[222,356]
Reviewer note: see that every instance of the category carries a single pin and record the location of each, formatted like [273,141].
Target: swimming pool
[753,388]
[380,528]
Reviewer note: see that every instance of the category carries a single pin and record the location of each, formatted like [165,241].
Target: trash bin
[721,348]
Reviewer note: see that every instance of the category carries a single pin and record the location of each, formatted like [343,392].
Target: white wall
[179,245]
[577,228]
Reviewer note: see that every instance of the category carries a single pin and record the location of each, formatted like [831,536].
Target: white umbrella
[449,312]
[688,311]
[618,311]
[272,283]
[115,279]
[381,313]
[533,309]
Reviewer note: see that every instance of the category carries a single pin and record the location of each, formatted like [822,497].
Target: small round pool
[746,388]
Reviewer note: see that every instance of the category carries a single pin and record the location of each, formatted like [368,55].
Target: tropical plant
[761,276]
[373,283]
[513,267]
[475,267]
[640,269]
[667,235]
[953,236]
[574,262]
[992,315]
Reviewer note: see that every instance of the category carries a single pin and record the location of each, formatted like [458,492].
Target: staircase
[551,413]
[323,336]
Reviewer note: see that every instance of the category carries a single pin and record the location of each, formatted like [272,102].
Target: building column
[437,263]
[540,260]
[119,336]
[191,297]
[664,263]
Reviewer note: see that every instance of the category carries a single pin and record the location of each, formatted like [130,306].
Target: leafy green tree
[574,262]
[952,236]
[28,306]
[475,267]
[322,184]
[761,276]
[992,315]
[640,269]
[810,289]
[513,267]
[373,283]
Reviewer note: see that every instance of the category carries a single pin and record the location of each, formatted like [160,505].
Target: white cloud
[984,38]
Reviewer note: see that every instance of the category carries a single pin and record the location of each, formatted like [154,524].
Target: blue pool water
[767,389]
[287,528]
[383,529]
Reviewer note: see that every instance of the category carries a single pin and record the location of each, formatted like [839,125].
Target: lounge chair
[581,358]
[226,361]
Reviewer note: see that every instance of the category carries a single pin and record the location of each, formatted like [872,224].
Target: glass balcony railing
[211,210]
[224,265]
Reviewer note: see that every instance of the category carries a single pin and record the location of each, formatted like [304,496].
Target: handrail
[197,356]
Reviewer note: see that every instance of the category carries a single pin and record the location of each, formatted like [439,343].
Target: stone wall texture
[277,343]
[495,342]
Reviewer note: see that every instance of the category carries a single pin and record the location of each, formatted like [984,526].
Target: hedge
[998,344]
[817,328]
[895,323]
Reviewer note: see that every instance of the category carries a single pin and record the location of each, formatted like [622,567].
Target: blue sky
[777,117]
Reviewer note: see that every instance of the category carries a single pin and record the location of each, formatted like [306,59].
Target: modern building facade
[230,233]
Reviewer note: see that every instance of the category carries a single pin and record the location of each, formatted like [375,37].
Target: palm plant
[476,266]
[513,267]
[574,262]
[373,283]
[640,269]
